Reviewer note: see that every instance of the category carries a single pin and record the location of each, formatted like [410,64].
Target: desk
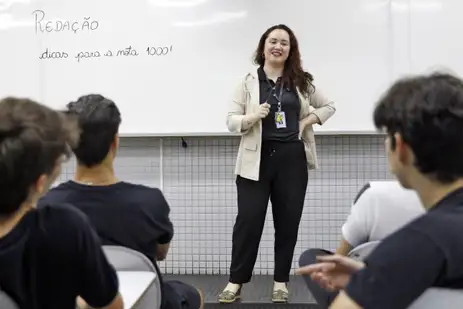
[132,285]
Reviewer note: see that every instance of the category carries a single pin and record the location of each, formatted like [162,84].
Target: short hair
[99,120]
[427,111]
[33,138]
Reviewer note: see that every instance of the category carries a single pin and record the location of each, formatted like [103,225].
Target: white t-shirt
[380,208]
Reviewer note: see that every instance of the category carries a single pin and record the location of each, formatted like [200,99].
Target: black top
[123,214]
[428,252]
[52,256]
[269,92]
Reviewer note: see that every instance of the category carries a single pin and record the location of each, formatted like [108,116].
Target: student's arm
[166,227]
[98,283]
[357,228]
[157,213]
[401,268]
[344,247]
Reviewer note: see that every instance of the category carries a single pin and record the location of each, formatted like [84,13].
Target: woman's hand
[263,111]
[332,272]
[309,120]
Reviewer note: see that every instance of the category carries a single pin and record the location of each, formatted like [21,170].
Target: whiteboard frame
[209,134]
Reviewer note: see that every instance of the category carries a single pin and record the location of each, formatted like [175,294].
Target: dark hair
[427,111]
[33,138]
[293,74]
[99,120]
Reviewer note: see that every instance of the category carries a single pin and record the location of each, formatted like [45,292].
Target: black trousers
[323,297]
[283,178]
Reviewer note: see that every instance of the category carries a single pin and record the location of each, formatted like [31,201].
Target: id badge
[280,120]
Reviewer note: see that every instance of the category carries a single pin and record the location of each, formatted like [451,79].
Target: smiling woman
[273,109]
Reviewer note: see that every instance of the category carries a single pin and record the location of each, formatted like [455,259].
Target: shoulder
[64,186]
[140,190]
[392,195]
[149,198]
[387,186]
[437,224]
[361,192]
[247,80]
[380,190]
[61,227]
[56,194]
[62,216]
[374,195]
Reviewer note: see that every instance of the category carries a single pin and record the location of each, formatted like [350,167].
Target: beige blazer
[246,101]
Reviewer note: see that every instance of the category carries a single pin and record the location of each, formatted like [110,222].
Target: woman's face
[276,49]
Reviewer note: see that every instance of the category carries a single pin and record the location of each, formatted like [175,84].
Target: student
[123,214]
[379,209]
[48,256]
[274,109]
[423,119]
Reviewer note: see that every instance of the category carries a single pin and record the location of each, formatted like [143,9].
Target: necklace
[106,182]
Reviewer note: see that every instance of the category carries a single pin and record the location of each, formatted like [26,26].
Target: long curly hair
[293,73]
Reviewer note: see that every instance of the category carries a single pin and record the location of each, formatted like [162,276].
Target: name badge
[280,120]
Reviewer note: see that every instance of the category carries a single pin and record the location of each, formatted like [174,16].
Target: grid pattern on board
[199,184]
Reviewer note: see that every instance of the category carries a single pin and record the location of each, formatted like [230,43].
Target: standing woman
[273,109]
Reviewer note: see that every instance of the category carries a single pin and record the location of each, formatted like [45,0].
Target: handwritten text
[128,51]
[44,26]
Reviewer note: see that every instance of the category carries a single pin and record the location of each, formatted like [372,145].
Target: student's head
[99,120]
[278,46]
[423,119]
[34,140]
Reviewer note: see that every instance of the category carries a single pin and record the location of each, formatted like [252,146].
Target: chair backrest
[359,253]
[6,302]
[125,259]
[437,298]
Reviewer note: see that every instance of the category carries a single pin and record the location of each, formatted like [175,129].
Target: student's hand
[332,272]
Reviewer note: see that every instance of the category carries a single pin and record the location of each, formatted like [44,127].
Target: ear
[402,149]
[115,143]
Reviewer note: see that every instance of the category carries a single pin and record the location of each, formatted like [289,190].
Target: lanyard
[273,92]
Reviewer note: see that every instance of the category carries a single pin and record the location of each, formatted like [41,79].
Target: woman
[273,109]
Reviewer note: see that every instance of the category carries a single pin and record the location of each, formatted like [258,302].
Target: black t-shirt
[123,214]
[269,91]
[428,252]
[52,256]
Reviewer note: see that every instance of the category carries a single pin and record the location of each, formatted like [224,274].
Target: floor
[255,295]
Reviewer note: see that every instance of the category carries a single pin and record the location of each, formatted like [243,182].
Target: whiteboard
[436,28]
[174,64]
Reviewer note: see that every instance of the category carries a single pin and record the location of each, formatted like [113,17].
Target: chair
[359,253]
[127,260]
[6,302]
[439,298]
